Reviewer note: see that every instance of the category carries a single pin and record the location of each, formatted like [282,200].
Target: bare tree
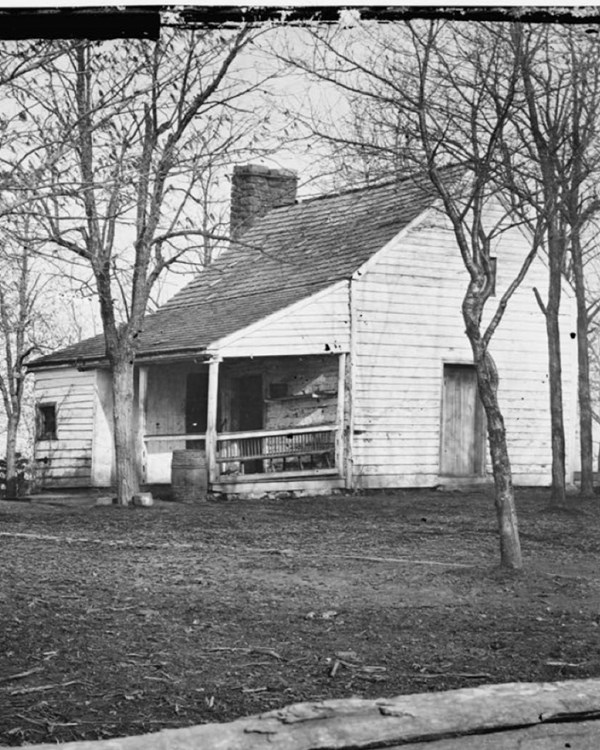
[21,282]
[121,127]
[438,98]
[552,164]
[24,331]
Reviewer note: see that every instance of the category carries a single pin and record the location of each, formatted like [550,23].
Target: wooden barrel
[189,476]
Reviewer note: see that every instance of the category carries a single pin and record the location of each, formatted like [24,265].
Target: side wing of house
[416,417]
[73,435]
[64,401]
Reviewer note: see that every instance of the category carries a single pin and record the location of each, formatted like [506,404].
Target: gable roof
[291,253]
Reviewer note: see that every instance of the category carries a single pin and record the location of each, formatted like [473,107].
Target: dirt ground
[118,621]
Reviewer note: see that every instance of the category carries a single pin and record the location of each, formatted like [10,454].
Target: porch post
[211,421]
[141,443]
[339,435]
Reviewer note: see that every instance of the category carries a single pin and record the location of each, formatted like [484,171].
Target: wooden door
[463,423]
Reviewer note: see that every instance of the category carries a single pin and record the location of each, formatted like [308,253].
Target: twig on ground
[251,650]
[21,675]
[361,558]
[32,721]
[466,675]
[40,688]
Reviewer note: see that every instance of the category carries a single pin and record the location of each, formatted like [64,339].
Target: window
[46,422]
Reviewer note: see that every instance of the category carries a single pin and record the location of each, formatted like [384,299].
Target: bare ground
[118,621]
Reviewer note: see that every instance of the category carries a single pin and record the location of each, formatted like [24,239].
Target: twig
[334,668]
[363,558]
[20,675]
[39,688]
[33,721]
[254,650]
[466,675]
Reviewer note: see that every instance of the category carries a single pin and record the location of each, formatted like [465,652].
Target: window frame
[42,434]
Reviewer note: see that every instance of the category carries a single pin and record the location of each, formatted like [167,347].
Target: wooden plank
[175,436]
[341,391]
[66,461]
[271,476]
[292,453]
[211,420]
[222,436]
[288,482]
[141,423]
[490,717]
[583,735]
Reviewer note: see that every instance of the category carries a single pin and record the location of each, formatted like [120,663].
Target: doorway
[248,412]
[463,423]
[196,399]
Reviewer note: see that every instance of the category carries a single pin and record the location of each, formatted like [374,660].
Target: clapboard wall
[407,322]
[319,324]
[67,460]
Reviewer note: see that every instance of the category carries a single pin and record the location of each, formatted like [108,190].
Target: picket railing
[274,451]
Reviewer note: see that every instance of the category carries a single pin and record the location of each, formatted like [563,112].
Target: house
[325,350]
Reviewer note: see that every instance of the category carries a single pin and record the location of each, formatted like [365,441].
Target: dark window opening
[46,422]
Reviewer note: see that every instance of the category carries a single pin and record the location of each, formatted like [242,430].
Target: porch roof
[291,253]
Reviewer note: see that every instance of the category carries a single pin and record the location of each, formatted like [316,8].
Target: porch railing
[274,451]
[306,450]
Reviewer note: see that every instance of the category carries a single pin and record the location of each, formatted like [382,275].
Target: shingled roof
[290,254]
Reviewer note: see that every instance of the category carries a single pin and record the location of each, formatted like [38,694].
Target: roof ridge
[352,190]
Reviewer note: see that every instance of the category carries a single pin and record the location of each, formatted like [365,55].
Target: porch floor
[315,482]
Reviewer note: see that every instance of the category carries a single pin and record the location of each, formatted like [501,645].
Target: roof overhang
[145,358]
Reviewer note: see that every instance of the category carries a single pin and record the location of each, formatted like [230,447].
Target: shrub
[23,474]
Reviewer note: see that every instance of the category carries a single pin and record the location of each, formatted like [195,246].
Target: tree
[120,126]
[439,97]
[21,283]
[25,330]
[551,164]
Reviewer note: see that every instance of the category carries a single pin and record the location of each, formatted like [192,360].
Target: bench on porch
[279,450]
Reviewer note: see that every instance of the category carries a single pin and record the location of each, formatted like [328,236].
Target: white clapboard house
[326,350]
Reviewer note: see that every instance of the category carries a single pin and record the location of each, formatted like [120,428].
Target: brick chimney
[255,190]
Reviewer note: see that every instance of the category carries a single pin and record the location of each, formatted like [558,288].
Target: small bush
[24,471]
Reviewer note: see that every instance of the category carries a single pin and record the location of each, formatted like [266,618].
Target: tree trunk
[558,492]
[12,487]
[583,381]
[510,546]
[125,447]
[487,384]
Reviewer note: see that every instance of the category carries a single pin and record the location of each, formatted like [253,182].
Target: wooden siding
[407,323]
[103,453]
[67,460]
[316,325]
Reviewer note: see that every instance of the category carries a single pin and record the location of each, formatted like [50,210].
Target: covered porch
[266,424]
